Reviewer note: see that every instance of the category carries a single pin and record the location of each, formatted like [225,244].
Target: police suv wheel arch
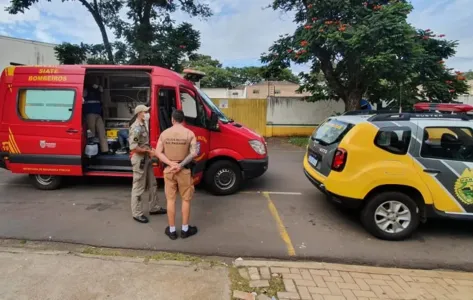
[390,216]
[223,177]
[46,182]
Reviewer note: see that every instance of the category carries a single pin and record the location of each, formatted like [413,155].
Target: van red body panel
[57,147]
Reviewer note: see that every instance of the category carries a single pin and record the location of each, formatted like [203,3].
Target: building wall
[224,93]
[26,52]
[277,89]
[295,117]
[280,116]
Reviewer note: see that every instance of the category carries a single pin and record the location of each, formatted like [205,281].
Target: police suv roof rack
[370,112]
[408,116]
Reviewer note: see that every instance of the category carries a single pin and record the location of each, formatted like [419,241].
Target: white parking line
[272,193]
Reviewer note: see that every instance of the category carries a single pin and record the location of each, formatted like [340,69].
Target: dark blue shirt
[93,102]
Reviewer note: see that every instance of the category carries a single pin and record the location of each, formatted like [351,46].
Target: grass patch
[239,283]
[155,256]
[300,141]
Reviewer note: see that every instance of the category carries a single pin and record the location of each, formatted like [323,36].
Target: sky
[238,32]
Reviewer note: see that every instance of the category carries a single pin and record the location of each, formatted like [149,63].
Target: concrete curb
[28,250]
[353,268]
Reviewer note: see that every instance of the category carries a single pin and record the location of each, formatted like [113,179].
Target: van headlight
[258,147]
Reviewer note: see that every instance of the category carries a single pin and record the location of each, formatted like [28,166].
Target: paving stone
[259,283]
[320,291]
[280,270]
[244,273]
[303,282]
[291,276]
[306,275]
[288,295]
[289,285]
[319,280]
[368,294]
[262,297]
[254,274]
[319,272]
[330,297]
[295,271]
[264,272]
[304,293]
[317,297]
[348,294]
[347,278]
[333,287]
[333,279]
[243,295]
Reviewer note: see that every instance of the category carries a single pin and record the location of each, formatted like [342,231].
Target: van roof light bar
[408,116]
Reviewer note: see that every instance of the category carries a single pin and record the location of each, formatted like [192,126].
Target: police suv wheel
[391,216]
[223,177]
[46,182]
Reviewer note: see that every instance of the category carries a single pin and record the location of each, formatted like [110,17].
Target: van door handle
[72,130]
[433,171]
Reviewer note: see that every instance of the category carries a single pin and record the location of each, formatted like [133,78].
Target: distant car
[399,169]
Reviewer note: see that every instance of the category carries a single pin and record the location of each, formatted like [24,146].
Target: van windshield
[213,107]
[330,132]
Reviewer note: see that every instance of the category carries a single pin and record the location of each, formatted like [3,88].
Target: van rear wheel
[391,216]
[223,177]
[46,182]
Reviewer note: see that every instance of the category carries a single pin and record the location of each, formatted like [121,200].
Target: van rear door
[45,120]
[324,142]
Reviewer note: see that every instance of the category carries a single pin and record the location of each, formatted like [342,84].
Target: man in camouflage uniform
[143,176]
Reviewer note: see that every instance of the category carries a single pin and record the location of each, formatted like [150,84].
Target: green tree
[152,35]
[469,75]
[101,10]
[70,54]
[362,48]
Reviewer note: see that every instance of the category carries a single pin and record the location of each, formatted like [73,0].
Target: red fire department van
[43,132]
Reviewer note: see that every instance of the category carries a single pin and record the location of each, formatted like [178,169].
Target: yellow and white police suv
[399,169]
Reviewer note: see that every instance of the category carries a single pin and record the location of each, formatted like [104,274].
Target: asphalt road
[97,212]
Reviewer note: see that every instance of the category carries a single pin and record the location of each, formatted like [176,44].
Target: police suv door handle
[72,130]
[433,171]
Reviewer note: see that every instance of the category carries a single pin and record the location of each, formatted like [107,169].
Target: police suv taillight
[339,160]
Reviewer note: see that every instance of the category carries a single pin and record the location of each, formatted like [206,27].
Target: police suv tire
[53,183]
[368,215]
[219,166]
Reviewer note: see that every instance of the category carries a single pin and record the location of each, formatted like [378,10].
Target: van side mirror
[213,121]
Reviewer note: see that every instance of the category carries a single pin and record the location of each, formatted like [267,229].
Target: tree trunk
[352,102]
[106,42]
[98,19]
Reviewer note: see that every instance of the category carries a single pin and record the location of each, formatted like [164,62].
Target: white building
[27,52]
[225,93]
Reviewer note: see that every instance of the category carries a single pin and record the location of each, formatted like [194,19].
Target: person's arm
[192,153]
[160,153]
[133,142]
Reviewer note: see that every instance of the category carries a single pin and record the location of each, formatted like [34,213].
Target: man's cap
[141,108]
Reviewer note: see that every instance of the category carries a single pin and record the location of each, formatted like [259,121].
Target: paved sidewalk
[323,281]
[58,275]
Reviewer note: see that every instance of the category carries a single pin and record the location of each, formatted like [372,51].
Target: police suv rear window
[330,132]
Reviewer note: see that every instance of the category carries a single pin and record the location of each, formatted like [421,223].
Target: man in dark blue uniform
[93,111]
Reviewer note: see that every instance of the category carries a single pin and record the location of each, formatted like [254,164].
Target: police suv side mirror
[213,121]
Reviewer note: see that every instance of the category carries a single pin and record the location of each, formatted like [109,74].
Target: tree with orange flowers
[364,48]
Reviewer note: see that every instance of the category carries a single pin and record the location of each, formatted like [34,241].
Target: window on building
[277,92]
[394,140]
[46,104]
[192,108]
[452,143]
[255,91]
[235,93]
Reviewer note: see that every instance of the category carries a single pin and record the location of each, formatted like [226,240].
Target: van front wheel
[223,177]
[391,216]
[46,182]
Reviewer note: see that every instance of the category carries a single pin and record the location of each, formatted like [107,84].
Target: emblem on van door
[324,151]
[43,144]
[464,187]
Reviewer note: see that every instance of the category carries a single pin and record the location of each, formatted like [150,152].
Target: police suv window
[452,143]
[395,140]
[46,104]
